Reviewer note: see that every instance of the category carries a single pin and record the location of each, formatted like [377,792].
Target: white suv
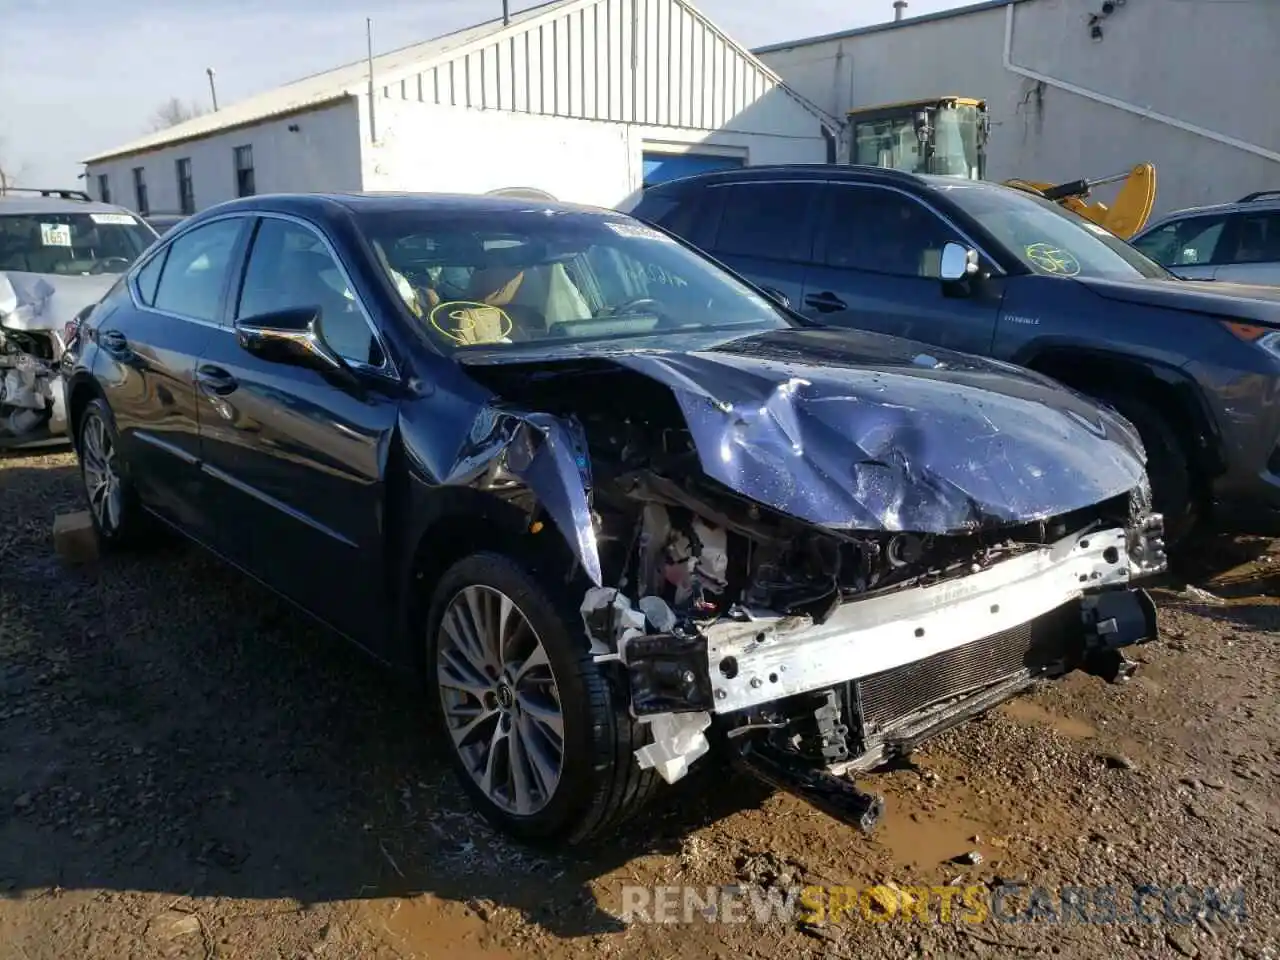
[1238,242]
[60,251]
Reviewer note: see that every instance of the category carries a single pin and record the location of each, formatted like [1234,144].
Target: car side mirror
[777,296]
[290,336]
[958,263]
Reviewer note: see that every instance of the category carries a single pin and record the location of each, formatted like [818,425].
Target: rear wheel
[1173,489]
[118,517]
[534,730]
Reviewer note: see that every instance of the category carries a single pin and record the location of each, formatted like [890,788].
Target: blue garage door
[661,167]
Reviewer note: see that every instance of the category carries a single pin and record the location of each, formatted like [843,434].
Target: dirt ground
[189,768]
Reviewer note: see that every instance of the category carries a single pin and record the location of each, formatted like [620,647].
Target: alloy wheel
[101,476]
[500,700]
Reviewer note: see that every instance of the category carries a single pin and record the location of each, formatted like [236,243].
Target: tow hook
[1112,621]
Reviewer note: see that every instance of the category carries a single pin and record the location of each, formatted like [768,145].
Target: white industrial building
[1078,88]
[581,99]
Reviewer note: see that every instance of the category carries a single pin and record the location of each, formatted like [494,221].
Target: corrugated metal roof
[328,87]
[888,25]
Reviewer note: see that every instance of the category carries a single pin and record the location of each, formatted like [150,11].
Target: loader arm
[1124,217]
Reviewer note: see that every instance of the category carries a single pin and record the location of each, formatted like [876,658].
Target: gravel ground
[189,768]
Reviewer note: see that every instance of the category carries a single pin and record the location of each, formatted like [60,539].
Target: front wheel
[532,726]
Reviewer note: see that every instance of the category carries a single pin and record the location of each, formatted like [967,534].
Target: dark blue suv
[986,269]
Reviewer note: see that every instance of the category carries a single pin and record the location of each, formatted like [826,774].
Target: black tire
[600,783]
[132,526]
[1173,486]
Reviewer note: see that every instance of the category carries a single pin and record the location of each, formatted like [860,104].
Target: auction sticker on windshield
[117,219]
[637,230]
[55,234]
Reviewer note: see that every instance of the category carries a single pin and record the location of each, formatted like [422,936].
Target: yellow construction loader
[948,136]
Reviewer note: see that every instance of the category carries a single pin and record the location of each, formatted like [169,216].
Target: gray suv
[1237,242]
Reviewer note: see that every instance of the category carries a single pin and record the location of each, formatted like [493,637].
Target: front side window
[765,220]
[882,231]
[1046,237]
[245,184]
[290,268]
[1183,243]
[72,243]
[195,270]
[1257,239]
[551,277]
[140,191]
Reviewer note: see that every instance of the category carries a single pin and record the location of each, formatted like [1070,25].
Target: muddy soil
[190,768]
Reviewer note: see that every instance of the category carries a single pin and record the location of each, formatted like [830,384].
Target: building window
[244,172]
[186,192]
[104,188]
[140,191]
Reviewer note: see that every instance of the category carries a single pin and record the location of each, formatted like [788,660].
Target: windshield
[545,277]
[1048,238]
[955,149]
[72,243]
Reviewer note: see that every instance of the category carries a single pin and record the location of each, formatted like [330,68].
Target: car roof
[22,204]
[1260,205]
[442,203]
[795,171]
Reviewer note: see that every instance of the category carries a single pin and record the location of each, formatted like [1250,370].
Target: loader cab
[945,136]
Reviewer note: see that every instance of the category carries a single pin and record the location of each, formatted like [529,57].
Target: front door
[876,267]
[296,458]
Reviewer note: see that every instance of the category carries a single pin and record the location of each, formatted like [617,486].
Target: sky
[81,76]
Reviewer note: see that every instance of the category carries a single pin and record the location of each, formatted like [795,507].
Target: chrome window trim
[387,369]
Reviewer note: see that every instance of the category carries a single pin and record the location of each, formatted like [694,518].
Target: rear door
[763,230]
[878,256]
[146,365]
[298,459]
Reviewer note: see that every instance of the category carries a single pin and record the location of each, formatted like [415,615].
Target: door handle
[215,381]
[113,341]
[825,302]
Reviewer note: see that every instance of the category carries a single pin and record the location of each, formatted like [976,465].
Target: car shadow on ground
[168,725]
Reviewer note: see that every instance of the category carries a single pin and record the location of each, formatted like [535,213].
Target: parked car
[162,223]
[602,495]
[986,269]
[1238,241]
[59,253]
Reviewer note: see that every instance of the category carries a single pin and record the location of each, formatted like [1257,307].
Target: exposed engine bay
[34,313]
[812,650]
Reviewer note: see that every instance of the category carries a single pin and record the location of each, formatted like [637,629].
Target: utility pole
[213,90]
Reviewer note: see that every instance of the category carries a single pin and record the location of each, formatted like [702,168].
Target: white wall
[425,147]
[1199,62]
[323,154]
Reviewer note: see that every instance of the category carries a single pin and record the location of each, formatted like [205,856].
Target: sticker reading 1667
[55,234]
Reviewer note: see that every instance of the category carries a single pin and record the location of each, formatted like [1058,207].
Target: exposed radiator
[882,699]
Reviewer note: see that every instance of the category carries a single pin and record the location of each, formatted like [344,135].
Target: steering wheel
[102,263]
[638,305]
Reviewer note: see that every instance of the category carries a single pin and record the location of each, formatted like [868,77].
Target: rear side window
[766,220]
[1184,243]
[195,270]
[149,277]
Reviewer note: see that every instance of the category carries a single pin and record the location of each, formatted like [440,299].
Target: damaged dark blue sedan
[611,503]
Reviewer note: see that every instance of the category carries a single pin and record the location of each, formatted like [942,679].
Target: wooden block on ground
[74,537]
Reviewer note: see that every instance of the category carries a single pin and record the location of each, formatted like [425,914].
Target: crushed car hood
[1240,301]
[48,301]
[855,430]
